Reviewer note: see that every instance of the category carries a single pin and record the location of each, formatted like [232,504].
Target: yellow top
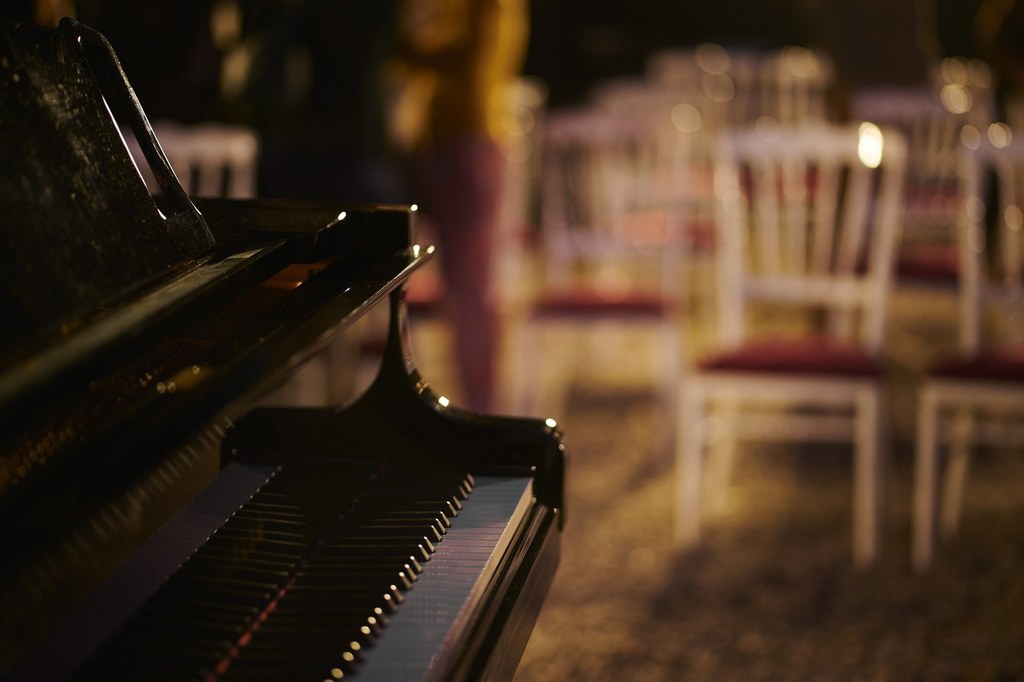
[455,62]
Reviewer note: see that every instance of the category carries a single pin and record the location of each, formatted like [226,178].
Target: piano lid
[69,188]
[108,293]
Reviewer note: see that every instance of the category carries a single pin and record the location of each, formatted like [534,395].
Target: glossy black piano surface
[176,502]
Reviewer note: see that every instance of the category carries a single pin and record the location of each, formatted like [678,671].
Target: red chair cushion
[1006,364]
[810,356]
[930,262]
[591,303]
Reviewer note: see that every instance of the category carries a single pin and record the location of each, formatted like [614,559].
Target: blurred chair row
[802,221]
[791,85]
[626,202]
[955,107]
[977,397]
[739,155]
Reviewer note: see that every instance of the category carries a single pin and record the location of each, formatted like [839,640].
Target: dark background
[326,138]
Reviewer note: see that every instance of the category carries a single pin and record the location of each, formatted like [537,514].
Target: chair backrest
[677,132]
[797,85]
[210,159]
[991,238]
[678,68]
[808,216]
[730,80]
[524,125]
[934,126]
[611,189]
[791,85]
[966,84]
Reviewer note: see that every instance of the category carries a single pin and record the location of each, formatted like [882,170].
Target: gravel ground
[771,593]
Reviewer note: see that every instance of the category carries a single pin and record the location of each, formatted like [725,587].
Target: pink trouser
[461,184]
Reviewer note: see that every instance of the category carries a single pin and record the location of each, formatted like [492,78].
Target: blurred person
[454,62]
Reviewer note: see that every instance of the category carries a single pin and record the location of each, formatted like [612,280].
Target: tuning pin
[374,625]
[435,533]
[444,519]
[452,509]
[456,503]
[428,545]
[414,565]
[411,574]
[403,581]
[379,618]
[442,527]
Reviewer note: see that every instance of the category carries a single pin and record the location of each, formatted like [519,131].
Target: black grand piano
[166,511]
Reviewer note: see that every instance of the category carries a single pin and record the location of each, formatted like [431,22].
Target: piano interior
[190,485]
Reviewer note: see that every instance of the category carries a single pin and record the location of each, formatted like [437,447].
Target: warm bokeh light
[801,62]
[686,118]
[970,137]
[956,98]
[718,87]
[1000,135]
[870,145]
[1014,218]
[712,58]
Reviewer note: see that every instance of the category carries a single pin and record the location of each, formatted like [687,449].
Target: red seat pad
[932,262]
[591,303]
[1006,364]
[810,356]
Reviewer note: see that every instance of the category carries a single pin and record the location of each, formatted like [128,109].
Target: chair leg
[956,472]
[689,455]
[524,379]
[540,379]
[559,369]
[670,367]
[866,478]
[511,373]
[925,466]
[722,454]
